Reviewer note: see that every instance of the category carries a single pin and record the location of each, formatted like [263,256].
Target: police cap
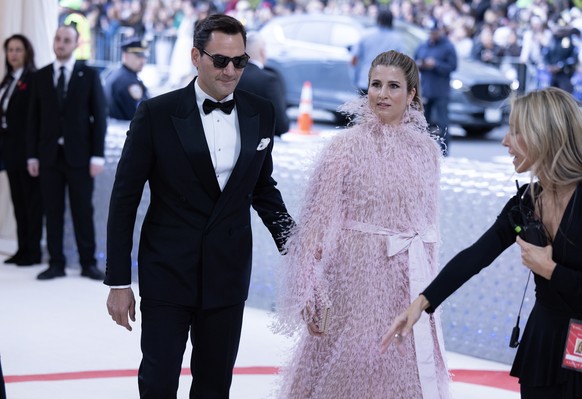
[135,46]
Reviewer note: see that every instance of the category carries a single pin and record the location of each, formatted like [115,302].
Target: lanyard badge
[573,350]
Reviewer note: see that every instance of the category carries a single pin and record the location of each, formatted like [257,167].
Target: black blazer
[82,120]
[267,84]
[14,147]
[196,244]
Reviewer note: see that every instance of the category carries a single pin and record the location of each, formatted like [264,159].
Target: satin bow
[208,106]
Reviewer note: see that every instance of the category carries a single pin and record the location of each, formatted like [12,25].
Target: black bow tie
[208,106]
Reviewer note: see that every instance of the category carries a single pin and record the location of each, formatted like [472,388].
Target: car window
[329,34]
[290,30]
[313,32]
[344,35]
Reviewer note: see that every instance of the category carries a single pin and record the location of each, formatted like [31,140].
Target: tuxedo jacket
[81,120]
[14,147]
[195,244]
[267,84]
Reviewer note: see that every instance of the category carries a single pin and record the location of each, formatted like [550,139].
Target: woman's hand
[403,323]
[311,319]
[537,259]
[313,329]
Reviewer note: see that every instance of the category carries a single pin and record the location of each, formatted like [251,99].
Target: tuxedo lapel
[46,82]
[190,132]
[248,120]
[74,82]
[249,137]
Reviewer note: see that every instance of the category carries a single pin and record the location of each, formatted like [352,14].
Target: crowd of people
[540,35]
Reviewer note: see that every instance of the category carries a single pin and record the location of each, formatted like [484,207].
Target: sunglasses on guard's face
[221,61]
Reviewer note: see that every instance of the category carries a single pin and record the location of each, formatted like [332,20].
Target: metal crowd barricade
[107,48]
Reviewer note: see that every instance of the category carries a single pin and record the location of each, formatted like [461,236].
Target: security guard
[123,88]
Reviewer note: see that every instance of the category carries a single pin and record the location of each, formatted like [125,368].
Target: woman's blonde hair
[408,67]
[550,122]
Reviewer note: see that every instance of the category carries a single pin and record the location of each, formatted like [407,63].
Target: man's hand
[120,304]
[429,63]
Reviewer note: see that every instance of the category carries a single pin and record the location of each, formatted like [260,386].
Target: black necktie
[61,94]
[208,106]
[7,85]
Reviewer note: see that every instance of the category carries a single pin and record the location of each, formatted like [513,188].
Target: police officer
[123,88]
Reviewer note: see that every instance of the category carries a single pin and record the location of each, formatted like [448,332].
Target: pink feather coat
[370,209]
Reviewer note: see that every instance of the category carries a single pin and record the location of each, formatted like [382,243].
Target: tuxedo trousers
[27,204]
[55,181]
[215,335]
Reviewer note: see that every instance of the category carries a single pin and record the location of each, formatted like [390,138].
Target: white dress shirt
[222,135]
[69,65]
[16,77]
[10,89]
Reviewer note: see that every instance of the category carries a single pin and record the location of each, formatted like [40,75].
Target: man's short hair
[217,22]
[384,18]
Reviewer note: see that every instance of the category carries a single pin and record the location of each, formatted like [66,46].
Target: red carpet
[495,379]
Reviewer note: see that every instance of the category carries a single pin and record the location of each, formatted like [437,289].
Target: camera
[525,224]
[532,232]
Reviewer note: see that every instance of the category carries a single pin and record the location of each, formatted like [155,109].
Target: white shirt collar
[68,64]
[16,74]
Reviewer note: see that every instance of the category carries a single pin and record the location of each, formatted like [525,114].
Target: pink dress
[371,208]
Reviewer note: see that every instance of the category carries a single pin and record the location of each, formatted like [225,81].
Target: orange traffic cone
[305,120]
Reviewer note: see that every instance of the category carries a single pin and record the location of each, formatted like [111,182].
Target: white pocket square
[263,144]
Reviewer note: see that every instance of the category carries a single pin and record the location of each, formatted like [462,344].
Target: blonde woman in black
[544,138]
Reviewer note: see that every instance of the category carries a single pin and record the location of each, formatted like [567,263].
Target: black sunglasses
[221,61]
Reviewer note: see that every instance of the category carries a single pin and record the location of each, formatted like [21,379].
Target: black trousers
[55,181]
[27,203]
[215,336]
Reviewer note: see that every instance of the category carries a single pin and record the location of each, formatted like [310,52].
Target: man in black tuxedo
[65,141]
[205,151]
[265,82]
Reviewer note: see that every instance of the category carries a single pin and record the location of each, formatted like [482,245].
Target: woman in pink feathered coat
[365,246]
